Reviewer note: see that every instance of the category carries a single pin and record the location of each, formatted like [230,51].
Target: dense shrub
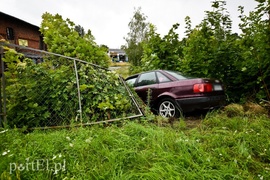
[212,50]
[46,94]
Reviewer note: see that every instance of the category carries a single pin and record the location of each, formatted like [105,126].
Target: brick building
[20,32]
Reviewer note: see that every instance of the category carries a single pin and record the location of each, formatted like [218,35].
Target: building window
[10,33]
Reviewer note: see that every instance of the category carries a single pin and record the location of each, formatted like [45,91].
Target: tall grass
[219,148]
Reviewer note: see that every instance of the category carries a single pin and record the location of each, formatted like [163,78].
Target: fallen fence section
[56,91]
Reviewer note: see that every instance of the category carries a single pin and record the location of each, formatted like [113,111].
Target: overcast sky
[108,19]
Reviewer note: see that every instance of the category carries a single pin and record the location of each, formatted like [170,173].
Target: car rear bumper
[200,103]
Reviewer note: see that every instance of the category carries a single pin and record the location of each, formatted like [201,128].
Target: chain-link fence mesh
[42,89]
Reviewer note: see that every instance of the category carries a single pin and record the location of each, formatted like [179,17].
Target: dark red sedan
[170,93]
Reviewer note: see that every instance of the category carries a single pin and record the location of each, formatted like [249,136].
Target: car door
[145,82]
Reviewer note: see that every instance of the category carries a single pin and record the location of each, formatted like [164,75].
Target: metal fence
[49,90]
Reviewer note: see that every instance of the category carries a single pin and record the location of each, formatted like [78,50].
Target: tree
[137,34]
[211,50]
[80,30]
[162,53]
[104,47]
[255,47]
[241,62]
[62,37]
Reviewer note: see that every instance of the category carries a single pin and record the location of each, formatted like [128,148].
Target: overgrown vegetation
[217,148]
[46,94]
[213,50]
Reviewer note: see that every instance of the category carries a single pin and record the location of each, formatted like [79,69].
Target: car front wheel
[168,108]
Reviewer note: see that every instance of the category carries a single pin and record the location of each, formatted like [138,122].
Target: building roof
[119,51]
[4,14]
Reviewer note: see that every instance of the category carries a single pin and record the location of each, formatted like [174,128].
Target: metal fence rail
[50,90]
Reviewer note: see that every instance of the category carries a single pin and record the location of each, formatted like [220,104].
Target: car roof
[136,75]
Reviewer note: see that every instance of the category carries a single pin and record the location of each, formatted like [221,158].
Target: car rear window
[177,75]
[162,78]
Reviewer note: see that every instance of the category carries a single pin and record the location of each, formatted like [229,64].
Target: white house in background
[118,55]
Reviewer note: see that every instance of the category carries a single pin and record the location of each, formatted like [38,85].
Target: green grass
[217,148]
[119,64]
[123,68]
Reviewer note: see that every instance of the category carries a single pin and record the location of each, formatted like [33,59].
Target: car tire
[167,107]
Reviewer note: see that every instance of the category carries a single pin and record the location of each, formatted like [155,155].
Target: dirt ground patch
[194,119]
[192,123]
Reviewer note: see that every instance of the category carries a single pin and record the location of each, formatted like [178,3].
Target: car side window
[147,79]
[162,78]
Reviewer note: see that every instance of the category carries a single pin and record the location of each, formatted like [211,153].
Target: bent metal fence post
[49,90]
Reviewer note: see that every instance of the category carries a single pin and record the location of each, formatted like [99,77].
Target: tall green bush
[212,50]
[45,94]
[255,51]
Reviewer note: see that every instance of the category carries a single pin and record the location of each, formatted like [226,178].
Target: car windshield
[177,75]
[131,81]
